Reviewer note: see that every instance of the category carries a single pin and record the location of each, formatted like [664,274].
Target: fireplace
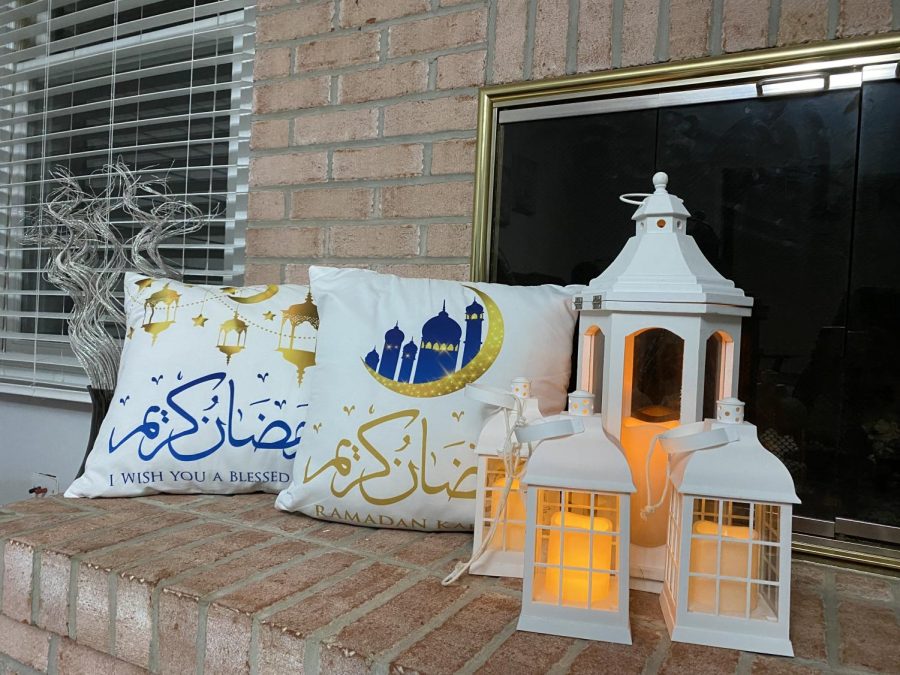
[789,161]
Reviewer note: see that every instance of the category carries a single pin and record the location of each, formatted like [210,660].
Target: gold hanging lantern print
[168,299]
[239,329]
[294,317]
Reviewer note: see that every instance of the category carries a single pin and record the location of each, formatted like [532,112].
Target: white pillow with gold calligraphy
[390,431]
[208,398]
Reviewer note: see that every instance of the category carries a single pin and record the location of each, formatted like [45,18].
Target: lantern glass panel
[719,351]
[673,550]
[510,534]
[577,549]
[734,559]
[651,402]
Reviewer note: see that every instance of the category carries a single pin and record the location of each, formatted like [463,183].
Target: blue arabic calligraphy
[277,435]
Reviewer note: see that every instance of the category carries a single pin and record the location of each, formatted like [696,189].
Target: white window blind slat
[162,84]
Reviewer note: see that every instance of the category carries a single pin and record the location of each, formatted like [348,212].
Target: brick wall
[362,147]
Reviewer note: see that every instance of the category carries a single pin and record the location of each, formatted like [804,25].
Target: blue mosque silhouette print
[437,354]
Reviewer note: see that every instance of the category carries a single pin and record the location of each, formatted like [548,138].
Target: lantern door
[505,553]
[576,564]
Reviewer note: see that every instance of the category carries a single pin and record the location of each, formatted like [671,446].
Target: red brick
[526,653]
[92,608]
[434,546]
[262,273]
[685,659]
[26,644]
[509,40]
[461,70]
[178,626]
[449,240]
[59,533]
[802,21]
[594,35]
[363,12]
[310,92]
[285,242]
[447,648]
[440,32]
[265,205]
[639,27]
[269,134]
[334,127]
[766,665]
[227,641]
[337,52]
[297,274]
[808,624]
[426,271]
[134,621]
[228,505]
[18,561]
[121,532]
[386,625]
[76,659]
[436,199]
[374,241]
[863,586]
[271,4]
[288,169]
[53,611]
[295,23]
[870,636]
[396,79]
[228,572]
[382,541]
[454,113]
[319,610]
[50,506]
[457,156]
[271,63]
[688,29]
[332,203]
[604,657]
[863,17]
[551,28]
[383,161]
[745,25]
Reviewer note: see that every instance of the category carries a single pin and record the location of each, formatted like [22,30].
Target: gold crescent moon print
[271,290]
[469,373]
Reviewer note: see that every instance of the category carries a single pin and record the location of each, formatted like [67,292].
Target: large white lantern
[728,570]
[503,554]
[578,489]
[661,331]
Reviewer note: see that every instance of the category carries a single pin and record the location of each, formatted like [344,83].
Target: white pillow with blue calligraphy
[390,432]
[209,396]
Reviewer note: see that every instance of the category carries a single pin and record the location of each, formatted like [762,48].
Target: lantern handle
[550,427]
[625,197]
[494,396]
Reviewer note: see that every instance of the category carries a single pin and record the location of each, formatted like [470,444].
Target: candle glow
[577,549]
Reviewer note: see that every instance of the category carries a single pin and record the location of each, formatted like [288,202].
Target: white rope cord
[650,508]
[510,453]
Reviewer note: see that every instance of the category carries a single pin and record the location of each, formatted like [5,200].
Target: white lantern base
[585,629]
[648,566]
[725,632]
[499,564]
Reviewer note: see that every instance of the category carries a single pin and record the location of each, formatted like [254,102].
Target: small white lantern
[728,569]
[503,556]
[578,491]
[661,332]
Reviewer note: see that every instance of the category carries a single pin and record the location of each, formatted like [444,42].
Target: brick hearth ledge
[185,584]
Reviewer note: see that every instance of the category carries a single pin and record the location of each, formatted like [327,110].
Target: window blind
[163,85]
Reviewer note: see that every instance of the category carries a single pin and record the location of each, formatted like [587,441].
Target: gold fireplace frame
[670,77]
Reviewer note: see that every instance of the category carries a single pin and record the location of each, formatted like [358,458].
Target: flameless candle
[577,546]
[732,594]
[636,438]
[514,539]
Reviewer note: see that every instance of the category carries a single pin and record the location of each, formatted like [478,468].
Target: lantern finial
[660,180]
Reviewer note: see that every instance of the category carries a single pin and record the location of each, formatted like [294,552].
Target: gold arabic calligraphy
[418,474]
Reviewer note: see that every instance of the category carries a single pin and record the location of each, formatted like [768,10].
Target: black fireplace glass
[794,198]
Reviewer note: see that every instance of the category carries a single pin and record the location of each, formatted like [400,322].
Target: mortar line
[744,664]
[72,597]
[3,543]
[17,666]
[383,44]
[572,37]
[662,31]
[253,654]
[895,19]
[564,664]
[200,655]
[832,626]
[451,135]
[492,42]
[53,655]
[489,648]
[714,39]
[618,10]
[774,22]
[530,20]
[113,606]
[834,10]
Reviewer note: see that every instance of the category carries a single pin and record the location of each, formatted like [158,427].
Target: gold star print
[200,320]
[143,283]
[268,316]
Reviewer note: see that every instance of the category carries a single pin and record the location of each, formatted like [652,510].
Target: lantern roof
[661,263]
[591,460]
[740,469]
